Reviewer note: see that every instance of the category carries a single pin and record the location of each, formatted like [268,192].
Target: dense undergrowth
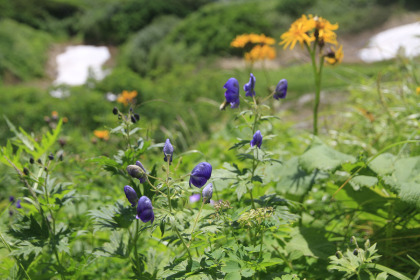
[284,204]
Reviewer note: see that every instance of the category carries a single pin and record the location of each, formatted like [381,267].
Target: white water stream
[386,45]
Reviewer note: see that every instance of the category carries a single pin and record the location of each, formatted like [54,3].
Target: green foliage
[113,22]
[22,51]
[213,27]
[138,49]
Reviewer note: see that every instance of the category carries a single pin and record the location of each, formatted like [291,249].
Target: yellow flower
[335,56]
[240,41]
[102,134]
[260,52]
[54,114]
[126,97]
[418,90]
[325,30]
[298,32]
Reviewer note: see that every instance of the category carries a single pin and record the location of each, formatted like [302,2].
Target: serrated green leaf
[322,157]
[383,164]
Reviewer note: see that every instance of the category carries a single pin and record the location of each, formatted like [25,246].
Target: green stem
[389,232]
[136,237]
[195,223]
[167,184]
[16,258]
[262,240]
[183,242]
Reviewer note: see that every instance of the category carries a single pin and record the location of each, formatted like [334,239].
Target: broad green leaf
[363,181]
[383,164]
[233,276]
[322,157]
[293,179]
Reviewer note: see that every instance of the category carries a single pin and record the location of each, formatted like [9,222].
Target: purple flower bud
[249,87]
[12,198]
[136,171]
[195,197]
[145,210]
[168,150]
[131,195]
[207,193]
[18,204]
[232,92]
[143,178]
[200,174]
[257,139]
[281,89]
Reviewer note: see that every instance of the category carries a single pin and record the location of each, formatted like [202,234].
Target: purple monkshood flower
[257,139]
[232,92]
[281,89]
[145,210]
[168,150]
[200,174]
[207,193]
[18,204]
[249,87]
[131,195]
[143,178]
[12,198]
[195,197]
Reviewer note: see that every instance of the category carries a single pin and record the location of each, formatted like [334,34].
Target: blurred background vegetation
[169,52]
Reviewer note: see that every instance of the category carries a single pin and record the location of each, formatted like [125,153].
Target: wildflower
[257,139]
[54,115]
[31,160]
[65,120]
[137,117]
[200,174]
[51,156]
[356,252]
[168,150]
[18,204]
[131,195]
[115,110]
[11,198]
[324,30]
[249,87]
[133,119]
[298,32]
[232,92]
[207,193]
[260,52]
[240,41]
[281,89]
[126,97]
[102,134]
[143,178]
[145,210]
[418,90]
[26,171]
[195,197]
[334,56]
[137,171]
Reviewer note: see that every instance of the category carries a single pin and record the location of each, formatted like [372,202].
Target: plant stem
[183,242]
[195,223]
[262,239]
[16,258]
[136,237]
[167,184]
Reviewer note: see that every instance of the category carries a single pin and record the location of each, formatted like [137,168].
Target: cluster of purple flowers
[232,90]
[199,177]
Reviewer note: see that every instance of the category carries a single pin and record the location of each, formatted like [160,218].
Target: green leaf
[383,164]
[363,181]
[292,179]
[231,266]
[322,157]
[233,276]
